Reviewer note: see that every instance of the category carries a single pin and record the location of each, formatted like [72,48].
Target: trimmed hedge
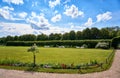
[115,41]
[55,43]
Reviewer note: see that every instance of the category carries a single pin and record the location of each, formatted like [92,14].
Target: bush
[102,45]
[56,43]
[115,42]
[84,46]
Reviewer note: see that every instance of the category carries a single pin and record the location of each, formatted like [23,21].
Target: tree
[72,35]
[65,36]
[34,50]
[95,33]
[27,37]
[118,33]
[51,36]
[42,37]
[78,35]
[9,38]
[104,33]
[16,38]
[55,36]
[86,33]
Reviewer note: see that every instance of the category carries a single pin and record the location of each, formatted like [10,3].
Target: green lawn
[54,55]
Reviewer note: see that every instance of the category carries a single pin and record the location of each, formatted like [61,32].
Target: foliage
[42,37]
[55,43]
[102,45]
[88,33]
[33,49]
[115,42]
[84,46]
[72,35]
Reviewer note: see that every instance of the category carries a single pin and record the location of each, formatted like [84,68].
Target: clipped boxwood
[55,43]
[115,42]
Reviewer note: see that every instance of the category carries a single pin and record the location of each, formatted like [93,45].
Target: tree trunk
[34,61]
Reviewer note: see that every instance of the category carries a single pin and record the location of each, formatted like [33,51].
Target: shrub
[102,45]
[115,42]
[55,43]
[84,46]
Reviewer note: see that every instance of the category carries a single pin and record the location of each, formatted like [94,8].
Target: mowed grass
[54,55]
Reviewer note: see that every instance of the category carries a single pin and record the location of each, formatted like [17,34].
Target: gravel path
[113,72]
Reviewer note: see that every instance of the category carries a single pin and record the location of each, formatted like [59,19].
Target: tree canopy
[88,33]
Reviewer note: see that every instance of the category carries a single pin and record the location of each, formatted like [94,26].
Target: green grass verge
[55,56]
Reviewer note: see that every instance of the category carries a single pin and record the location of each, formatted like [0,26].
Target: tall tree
[65,36]
[51,36]
[104,33]
[72,35]
[16,38]
[79,35]
[95,33]
[27,37]
[86,33]
[118,33]
[9,38]
[42,37]
[55,36]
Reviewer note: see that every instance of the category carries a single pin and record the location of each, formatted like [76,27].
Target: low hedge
[55,43]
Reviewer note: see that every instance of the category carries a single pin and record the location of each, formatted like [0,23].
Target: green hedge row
[115,42]
[55,43]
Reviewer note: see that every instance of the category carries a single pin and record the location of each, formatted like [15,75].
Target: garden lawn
[54,55]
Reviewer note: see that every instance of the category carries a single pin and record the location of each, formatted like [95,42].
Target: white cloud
[66,1]
[34,4]
[22,14]
[38,21]
[56,12]
[54,3]
[5,12]
[89,22]
[15,29]
[20,29]
[8,14]
[56,18]
[104,17]
[76,27]
[73,11]
[17,2]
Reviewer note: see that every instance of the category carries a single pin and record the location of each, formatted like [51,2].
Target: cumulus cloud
[73,11]
[38,21]
[22,14]
[66,1]
[34,4]
[5,12]
[20,29]
[15,29]
[54,3]
[104,17]
[76,27]
[89,22]
[56,18]
[17,2]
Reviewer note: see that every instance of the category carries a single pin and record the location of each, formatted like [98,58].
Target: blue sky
[19,17]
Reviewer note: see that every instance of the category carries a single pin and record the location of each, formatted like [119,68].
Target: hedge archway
[115,42]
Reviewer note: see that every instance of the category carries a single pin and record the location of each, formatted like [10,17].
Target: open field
[54,55]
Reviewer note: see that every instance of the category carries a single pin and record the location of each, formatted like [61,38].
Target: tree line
[88,33]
